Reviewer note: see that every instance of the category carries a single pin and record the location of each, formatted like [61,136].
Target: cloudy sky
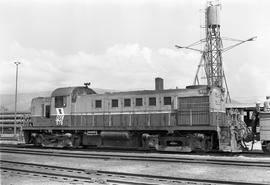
[125,44]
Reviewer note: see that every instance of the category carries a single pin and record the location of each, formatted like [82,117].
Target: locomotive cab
[51,116]
[63,103]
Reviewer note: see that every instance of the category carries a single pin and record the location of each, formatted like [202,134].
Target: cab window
[47,111]
[60,101]
[152,101]
[167,100]
[139,101]
[98,104]
[114,103]
[127,102]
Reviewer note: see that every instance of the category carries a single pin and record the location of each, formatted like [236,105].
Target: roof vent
[159,84]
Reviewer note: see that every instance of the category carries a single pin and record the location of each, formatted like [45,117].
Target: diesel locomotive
[184,120]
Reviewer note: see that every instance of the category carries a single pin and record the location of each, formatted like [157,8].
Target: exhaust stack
[159,84]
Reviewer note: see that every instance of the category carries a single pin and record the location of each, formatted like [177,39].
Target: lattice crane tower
[213,47]
[211,58]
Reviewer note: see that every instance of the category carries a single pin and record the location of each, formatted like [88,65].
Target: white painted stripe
[130,120]
[148,120]
[169,120]
[110,120]
[117,113]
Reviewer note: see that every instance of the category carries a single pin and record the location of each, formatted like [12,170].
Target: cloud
[67,43]
[120,67]
[250,82]
[123,67]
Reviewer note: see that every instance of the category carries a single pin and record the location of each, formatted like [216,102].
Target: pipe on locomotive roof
[159,84]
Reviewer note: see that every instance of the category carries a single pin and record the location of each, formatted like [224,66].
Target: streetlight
[15,120]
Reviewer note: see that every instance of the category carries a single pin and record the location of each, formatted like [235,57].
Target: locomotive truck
[189,119]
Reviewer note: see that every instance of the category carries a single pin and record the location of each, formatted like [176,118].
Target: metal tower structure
[211,58]
[212,52]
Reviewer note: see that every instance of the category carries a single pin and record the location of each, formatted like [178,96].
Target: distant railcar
[265,130]
[184,120]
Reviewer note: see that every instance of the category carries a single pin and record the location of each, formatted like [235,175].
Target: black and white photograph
[134,92]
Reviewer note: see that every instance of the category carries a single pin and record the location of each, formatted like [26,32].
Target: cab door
[61,108]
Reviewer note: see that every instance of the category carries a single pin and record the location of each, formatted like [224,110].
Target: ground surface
[200,171]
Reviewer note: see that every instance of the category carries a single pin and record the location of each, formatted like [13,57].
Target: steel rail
[140,158]
[136,150]
[117,177]
[53,174]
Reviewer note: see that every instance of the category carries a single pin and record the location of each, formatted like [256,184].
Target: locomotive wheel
[27,136]
[76,141]
[37,140]
[266,147]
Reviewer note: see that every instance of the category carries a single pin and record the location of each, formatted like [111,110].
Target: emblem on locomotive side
[59,116]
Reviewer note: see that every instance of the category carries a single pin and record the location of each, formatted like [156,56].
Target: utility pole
[15,120]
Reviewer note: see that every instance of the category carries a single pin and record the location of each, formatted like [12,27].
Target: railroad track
[103,177]
[265,164]
[136,150]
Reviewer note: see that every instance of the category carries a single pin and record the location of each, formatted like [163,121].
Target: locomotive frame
[182,120]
